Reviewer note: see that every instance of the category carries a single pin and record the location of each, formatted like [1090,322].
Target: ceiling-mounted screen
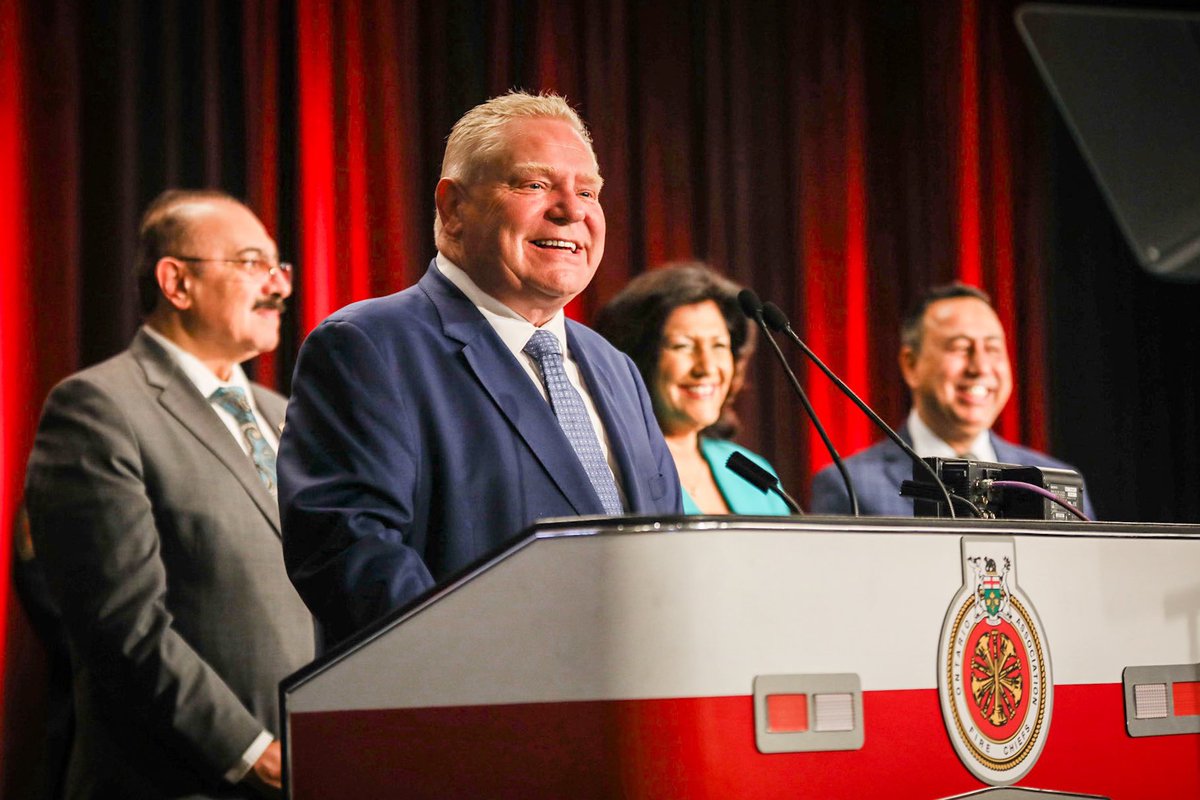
[1128,84]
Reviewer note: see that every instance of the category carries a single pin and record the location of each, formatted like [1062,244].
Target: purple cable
[1046,493]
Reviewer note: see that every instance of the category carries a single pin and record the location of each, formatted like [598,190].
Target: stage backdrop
[836,156]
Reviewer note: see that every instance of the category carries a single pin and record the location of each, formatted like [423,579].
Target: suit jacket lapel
[509,386]
[181,400]
[1005,453]
[897,465]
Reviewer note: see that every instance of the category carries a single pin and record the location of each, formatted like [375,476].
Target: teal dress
[741,496]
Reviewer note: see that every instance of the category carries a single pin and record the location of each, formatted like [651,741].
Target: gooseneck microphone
[753,308]
[762,479]
[772,316]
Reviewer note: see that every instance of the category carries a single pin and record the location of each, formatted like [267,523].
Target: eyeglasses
[249,266]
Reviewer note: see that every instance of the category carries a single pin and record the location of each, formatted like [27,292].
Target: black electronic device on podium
[993,490]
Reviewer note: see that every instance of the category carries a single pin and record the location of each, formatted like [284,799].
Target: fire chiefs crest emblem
[994,676]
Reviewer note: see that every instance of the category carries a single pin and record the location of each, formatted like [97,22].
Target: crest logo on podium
[994,677]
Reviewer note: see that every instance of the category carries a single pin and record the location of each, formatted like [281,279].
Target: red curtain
[32,337]
[260,65]
[357,110]
[832,292]
[15,364]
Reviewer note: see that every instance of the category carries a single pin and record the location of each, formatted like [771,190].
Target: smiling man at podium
[428,428]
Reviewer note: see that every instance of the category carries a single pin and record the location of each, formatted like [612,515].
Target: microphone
[757,476]
[778,321]
[753,308]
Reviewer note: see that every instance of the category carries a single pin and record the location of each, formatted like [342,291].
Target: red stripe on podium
[702,748]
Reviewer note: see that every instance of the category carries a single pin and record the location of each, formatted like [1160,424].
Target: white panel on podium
[618,658]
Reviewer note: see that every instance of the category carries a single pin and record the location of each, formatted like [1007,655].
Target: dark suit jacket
[415,444]
[164,552]
[878,471]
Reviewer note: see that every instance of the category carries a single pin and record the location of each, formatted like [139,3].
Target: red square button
[787,713]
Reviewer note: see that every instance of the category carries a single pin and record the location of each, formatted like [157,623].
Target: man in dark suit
[954,358]
[427,429]
[151,496]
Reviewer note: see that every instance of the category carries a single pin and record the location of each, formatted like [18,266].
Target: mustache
[275,302]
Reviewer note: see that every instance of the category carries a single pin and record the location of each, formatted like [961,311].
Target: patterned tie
[573,418]
[233,400]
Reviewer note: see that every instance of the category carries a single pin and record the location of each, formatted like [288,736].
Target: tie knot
[233,400]
[542,345]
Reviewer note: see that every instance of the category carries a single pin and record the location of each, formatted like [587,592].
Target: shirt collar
[203,378]
[512,328]
[928,444]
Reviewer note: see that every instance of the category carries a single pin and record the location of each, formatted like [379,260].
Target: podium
[706,657]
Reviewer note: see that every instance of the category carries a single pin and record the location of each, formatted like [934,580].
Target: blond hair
[477,139]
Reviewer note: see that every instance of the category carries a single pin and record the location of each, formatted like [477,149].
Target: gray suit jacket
[164,550]
[878,471]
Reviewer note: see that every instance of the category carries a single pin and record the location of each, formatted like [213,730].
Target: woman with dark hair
[682,325]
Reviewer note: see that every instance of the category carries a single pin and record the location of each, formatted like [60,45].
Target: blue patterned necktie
[573,418]
[233,400]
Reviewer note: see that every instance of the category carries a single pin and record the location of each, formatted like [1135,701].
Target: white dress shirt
[928,444]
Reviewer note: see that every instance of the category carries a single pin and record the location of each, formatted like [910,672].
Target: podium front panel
[618,658]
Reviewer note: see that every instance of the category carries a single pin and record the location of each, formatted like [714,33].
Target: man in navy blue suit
[954,358]
[428,428]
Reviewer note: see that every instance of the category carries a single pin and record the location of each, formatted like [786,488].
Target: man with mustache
[954,358]
[428,428]
[152,499]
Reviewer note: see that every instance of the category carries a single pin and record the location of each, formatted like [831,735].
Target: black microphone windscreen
[774,317]
[751,305]
[751,472]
